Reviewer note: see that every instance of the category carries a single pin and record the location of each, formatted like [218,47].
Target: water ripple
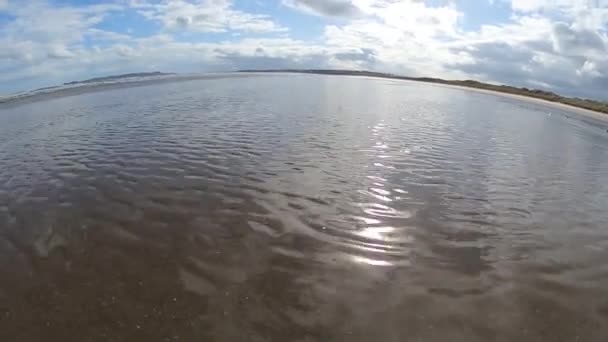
[211,207]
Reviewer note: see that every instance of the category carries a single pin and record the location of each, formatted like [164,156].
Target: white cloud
[412,38]
[124,50]
[405,37]
[32,37]
[205,16]
[60,52]
[590,14]
[534,50]
[560,45]
[569,41]
[552,5]
[590,69]
[536,5]
[337,8]
[105,36]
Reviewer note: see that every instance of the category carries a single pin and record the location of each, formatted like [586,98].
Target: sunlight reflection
[376,196]
[372,262]
[378,237]
[367,220]
[376,233]
[380,191]
[377,178]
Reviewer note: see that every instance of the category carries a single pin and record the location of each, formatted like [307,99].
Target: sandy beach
[576,110]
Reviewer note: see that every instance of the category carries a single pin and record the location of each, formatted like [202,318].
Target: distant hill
[118,77]
[593,105]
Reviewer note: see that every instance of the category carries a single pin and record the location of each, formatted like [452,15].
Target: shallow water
[301,208]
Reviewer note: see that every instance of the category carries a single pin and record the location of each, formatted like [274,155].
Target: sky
[556,45]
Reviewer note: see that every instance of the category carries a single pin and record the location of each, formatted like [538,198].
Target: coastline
[85,88]
[7,102]
[599,116]
[596,115]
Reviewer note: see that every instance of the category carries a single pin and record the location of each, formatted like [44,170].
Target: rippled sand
[301,208]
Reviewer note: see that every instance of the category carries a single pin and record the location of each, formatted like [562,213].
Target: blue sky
[559,45]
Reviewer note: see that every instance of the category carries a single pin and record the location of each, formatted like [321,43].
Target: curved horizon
[559,46]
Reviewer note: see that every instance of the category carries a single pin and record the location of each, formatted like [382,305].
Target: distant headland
[119,77]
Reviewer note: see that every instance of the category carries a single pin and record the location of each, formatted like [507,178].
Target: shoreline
[599,116]
[86,88]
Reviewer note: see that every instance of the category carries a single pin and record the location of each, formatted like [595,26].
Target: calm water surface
[301,208]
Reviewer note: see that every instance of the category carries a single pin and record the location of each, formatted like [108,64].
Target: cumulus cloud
[105,36]
[551,5]
[59,52]
[577,42]
[560,45]
[363,55]
[336,8]
[33,37]
[124,50]
[535,51]
[405,37]
[205,16]
[590,69]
